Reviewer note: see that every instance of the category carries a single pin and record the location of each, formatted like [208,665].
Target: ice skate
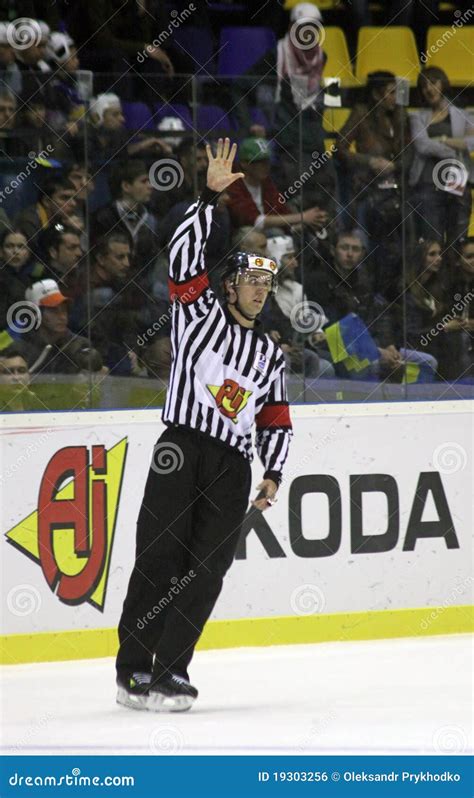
[133,689]
[171,694]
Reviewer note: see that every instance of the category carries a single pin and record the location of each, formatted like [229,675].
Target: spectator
[53,344]
[67,105]
[381,134]
[108,35]
[18,270]
[34,70]
[15,393]
[34,133]
[296,99]
[62,250]
[13,366]
[248,239]
[108,138]
[282,325]
[255,200]
[56,203]
[107,135]
[192,158]
[131,189]
[62,254]
[346,285]
[81,178]
[120,310]
[10,77]
[10,143]
[460,364]
[443,135]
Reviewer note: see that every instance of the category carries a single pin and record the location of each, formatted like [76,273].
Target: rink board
[371,536]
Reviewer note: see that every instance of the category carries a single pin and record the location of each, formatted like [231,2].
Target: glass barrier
[371,237]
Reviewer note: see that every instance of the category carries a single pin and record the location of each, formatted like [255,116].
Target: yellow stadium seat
[470,231]
[338,64]
[334,118]
[452,51]
[392,48]
[323,5]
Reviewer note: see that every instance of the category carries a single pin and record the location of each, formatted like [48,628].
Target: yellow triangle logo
[70,563]
[230,398]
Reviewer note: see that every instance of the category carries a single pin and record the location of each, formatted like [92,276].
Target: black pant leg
[162,546]
[224,486]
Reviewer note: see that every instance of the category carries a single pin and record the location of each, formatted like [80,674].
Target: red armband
[190,290]
[275,415]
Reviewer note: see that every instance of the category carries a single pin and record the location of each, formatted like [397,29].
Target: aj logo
[230,398]
[71,533]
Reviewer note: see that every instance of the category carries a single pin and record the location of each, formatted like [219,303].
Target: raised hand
[219,171]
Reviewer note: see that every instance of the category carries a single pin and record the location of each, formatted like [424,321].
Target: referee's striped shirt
[224,377]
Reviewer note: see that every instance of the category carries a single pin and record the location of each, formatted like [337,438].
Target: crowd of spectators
[378,229]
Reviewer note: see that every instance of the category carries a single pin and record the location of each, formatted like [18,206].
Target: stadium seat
[392,48]
[196,42]
[258,117]
[455,55]
[334,119]
[470,231]
[211,119]
[240,48]
[338,64]
[137,116]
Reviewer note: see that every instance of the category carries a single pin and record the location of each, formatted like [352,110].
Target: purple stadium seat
[259,117]
[211,119]
[180,110]
[240,48]
[137,116]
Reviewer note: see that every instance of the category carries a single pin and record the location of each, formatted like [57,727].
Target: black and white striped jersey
[224,377]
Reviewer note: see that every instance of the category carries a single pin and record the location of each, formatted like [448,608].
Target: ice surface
[409,695]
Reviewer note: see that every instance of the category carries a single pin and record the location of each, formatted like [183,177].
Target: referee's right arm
[187,276]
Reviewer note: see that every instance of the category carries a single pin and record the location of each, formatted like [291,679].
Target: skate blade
[158,702]
[132,701]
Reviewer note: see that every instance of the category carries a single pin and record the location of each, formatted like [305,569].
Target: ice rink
[407,696]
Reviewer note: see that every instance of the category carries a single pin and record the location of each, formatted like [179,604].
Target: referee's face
[252,297]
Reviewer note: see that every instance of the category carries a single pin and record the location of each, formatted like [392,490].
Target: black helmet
[244,261]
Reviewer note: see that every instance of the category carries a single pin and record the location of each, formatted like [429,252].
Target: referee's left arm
[274,428]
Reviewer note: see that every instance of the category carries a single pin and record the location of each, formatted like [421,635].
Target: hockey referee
[226,374]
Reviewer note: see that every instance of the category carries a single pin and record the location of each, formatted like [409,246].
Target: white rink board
[340,443]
